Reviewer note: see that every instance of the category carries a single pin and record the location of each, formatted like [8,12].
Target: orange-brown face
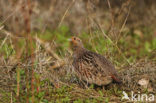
[75,42]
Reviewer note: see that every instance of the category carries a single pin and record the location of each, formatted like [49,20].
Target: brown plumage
[91,67]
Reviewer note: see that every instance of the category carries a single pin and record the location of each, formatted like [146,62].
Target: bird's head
[76,43]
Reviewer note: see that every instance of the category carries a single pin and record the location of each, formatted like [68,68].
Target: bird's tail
[116,79]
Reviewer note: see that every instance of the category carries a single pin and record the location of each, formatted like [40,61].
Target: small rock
[143,82]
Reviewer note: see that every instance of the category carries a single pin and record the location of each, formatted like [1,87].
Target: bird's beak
[70,39]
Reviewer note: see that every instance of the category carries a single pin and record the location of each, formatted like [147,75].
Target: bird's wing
[106,66]
[97,63]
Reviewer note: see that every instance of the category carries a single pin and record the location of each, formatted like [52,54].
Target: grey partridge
[90,66]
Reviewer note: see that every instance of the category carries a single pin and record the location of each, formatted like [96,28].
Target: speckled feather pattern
[90,66]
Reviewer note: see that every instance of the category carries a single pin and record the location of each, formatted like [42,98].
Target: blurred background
[34,34]
[131,22]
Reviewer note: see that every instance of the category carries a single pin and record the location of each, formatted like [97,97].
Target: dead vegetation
[36,70]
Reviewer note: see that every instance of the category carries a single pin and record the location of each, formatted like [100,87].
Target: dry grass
[34,70]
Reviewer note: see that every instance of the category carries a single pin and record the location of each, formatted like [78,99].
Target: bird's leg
[103,88]
[83,84]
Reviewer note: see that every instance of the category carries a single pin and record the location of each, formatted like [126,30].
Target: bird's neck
[79,51]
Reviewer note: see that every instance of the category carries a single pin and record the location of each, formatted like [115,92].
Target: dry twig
[47,47]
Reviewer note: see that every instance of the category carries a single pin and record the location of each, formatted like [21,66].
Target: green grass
[133,47]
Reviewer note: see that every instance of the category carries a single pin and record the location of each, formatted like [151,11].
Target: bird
[91,67]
